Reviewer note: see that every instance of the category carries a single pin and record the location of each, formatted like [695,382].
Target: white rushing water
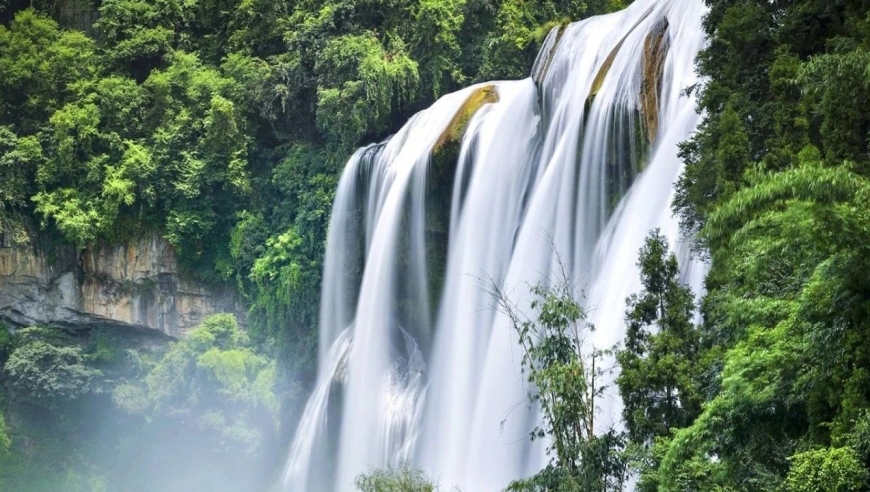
[578,160]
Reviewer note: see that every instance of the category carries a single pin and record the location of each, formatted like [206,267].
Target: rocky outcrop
[655,49]
[136,286]
[455,130]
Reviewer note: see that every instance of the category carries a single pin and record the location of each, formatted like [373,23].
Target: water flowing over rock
[577,163]
[136,285]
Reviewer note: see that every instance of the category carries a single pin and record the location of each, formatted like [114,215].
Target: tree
[41,65]
[565,383]
[46,375]
[715,176]
[400,479]
[658,365]
[790,256]
[826,470]
[214,379]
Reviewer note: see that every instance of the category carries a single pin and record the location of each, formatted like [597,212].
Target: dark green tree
[659,363]
[45,375]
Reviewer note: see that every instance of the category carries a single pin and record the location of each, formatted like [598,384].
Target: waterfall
[500,182]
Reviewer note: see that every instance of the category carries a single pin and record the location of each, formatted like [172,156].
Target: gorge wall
[135,286]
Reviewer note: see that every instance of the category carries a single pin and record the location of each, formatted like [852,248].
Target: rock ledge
[136,285]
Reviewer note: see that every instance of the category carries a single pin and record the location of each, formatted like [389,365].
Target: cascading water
[500,182]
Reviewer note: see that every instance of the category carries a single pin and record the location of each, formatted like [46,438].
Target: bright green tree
[790,256]
[826,470]
[213,378]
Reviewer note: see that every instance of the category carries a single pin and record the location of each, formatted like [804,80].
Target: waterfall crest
[491,184]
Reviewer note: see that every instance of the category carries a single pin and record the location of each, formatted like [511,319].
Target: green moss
[456,129]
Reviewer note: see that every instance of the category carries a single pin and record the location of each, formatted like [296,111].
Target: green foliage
[839,85]
[19,159]
[5,442]
[789,251]
[715,176]
[248,240]
[46,375]
[284,280]
[215,419]
[400,479]
[103,348]
[8,343]
[659,363]
[859,437]
[776,188]
[41,65]
[138,31]
[360,82]
[826,470]
[214,379]
[438,25]
[47,381]
[565,384]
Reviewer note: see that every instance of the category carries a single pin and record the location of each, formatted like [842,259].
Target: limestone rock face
[134,286]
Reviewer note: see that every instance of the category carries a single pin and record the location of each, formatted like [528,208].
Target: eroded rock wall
[136,285]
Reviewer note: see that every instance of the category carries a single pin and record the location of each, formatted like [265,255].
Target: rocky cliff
[136,285]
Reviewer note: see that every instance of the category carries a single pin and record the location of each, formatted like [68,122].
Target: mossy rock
[480,96]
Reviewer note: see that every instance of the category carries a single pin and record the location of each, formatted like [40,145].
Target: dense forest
[771,391]
[223,126]
[775,186]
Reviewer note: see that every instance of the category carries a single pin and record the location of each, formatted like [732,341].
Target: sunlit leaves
[40,64]
[826,470]
[19,160]
[359,83]
[78,217]
[790,250]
